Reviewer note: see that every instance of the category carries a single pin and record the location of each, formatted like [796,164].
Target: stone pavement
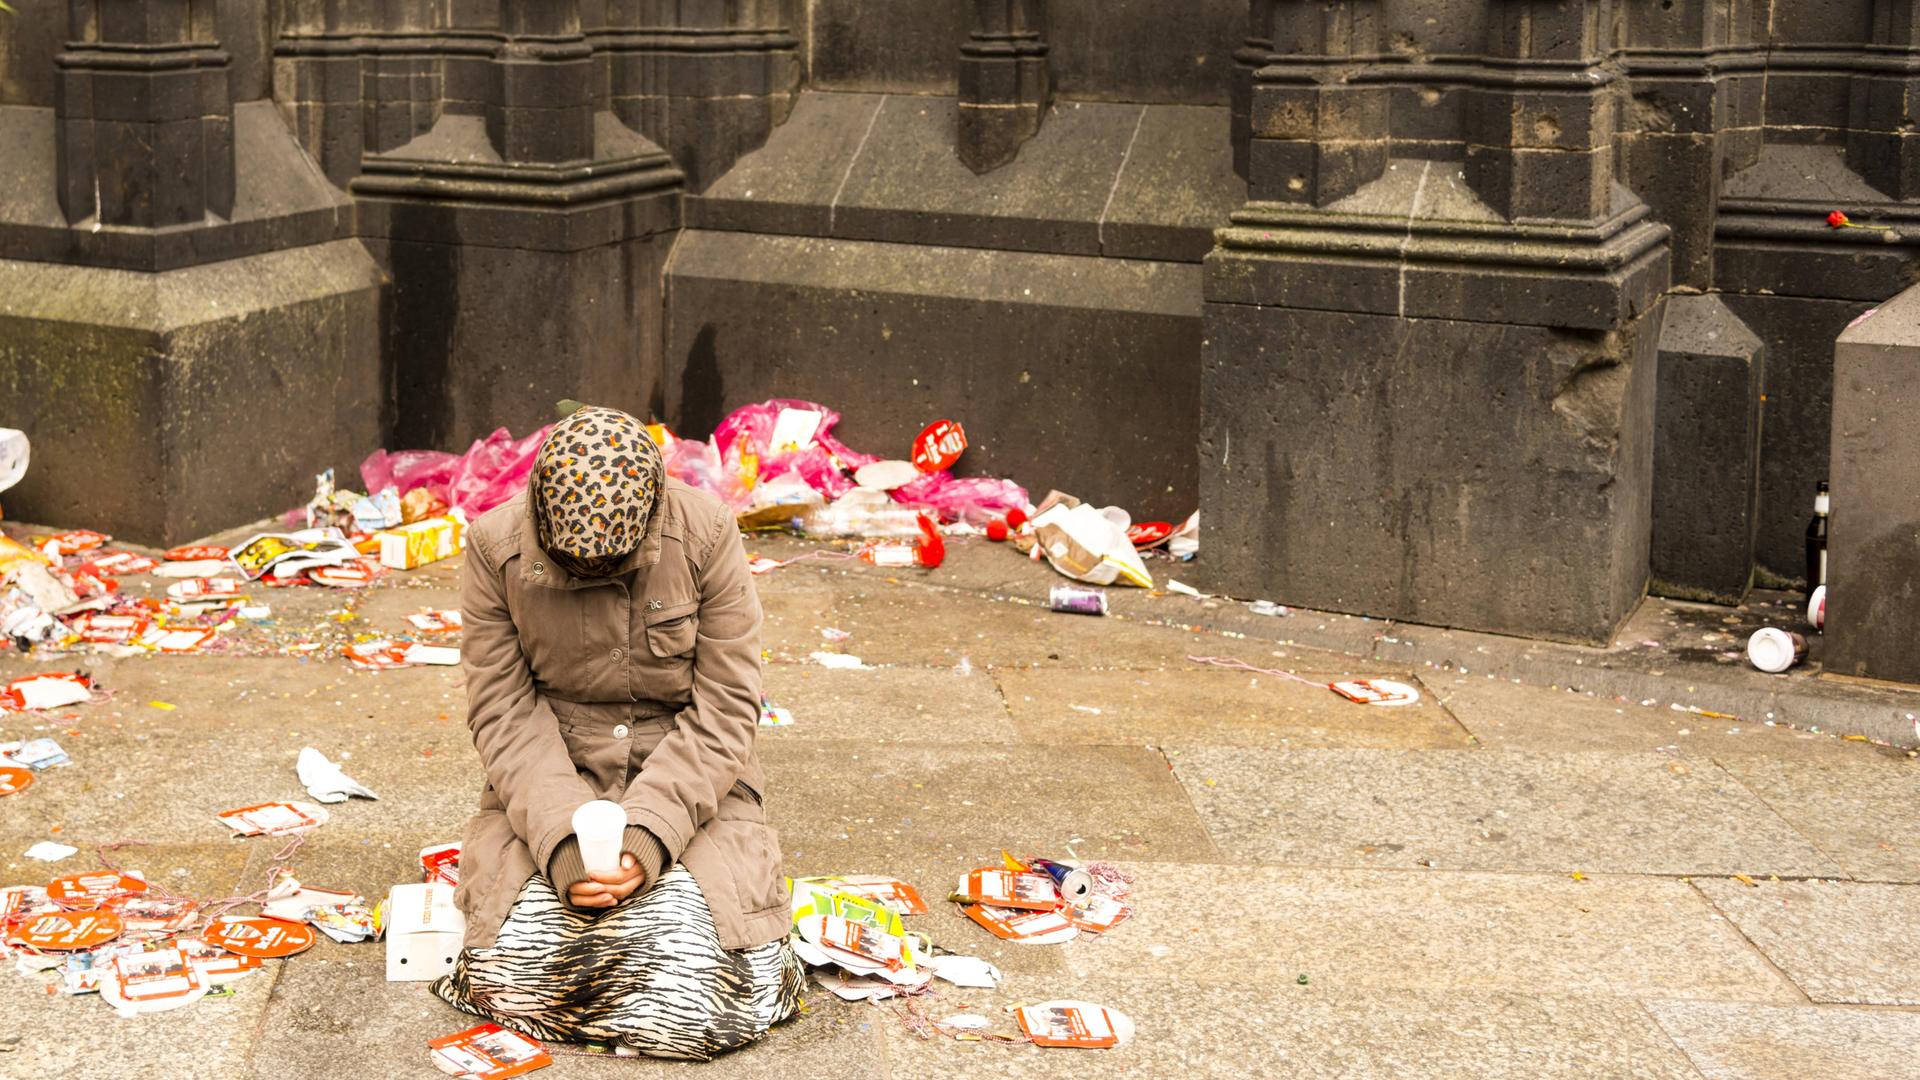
[1505,880]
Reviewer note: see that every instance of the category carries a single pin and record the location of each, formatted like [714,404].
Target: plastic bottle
[843,520]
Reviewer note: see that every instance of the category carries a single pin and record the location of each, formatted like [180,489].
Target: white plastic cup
[1817,608]
[1774,650]
[600,825]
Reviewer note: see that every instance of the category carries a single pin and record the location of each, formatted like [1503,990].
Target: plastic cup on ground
[600,825]
[1774,650]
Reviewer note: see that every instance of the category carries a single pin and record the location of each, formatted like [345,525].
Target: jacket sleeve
[514,729]
[679,787]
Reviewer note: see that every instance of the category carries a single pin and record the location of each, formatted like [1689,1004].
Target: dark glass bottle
[1817,541]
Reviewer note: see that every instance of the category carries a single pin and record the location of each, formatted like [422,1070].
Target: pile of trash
[779,466]
[63,592]
[143,948]
[851,930]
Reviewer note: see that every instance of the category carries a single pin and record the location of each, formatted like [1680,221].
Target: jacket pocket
[671,630]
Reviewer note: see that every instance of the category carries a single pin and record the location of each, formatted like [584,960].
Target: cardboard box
[422,542]
[424,931]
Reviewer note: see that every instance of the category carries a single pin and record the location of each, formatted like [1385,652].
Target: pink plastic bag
[488,474]
[975,500]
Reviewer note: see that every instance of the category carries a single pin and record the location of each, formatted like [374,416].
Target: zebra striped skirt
[649,974]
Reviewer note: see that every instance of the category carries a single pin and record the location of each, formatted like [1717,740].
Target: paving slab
[1429,930]
[1211,1030]
[904,626]
[206,871]
[1507,715]
[1842,942]
[333,1005]
[887,705]
[841,803]
[231,740]
[1861,808]
[1217,708]
[82,1037]
[1489,810]
[1767,1042]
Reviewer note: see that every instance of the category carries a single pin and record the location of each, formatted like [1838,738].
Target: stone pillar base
[1388,429]
[518,284]
[171,405]
[1873,550]
[1706,453]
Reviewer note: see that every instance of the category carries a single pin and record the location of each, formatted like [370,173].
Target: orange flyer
[1101,914]
[1015,925]
[153,976]
[14,780]
[65,930]
[93,888]
[888,892]
[1068,1023]
[165,914]
[253,935]
[487,1052]
[863,941]
[1009,889]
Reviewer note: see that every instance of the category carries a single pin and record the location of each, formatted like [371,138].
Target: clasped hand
[608,887]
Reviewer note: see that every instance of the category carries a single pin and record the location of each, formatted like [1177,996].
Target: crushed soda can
[1076,601]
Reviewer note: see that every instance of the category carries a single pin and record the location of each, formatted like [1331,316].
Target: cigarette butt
[1747,881]
[163,706]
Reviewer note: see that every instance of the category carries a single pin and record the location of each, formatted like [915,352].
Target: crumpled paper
[325,781]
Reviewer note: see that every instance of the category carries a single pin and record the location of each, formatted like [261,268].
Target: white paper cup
[600,825]
[1774,650]
[1817,608]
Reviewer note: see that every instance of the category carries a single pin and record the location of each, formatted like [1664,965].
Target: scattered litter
[834,634]
[436,622]
[91,889]
[325,781]
[1077,1024]
[422,542]
[379,654]
[38,755]
[1774,650]
[48,690]
[15,453]
[14,780]
[62,931]
[1074,601]
[1088,544]
[274,819]
[48,851]
[290,554]
[424,930]
[1269,608]
[838,661]
[772,715]
[487,1052]
[1385,692]
[260,937]
[440,863]
[1183,588]
[939,446]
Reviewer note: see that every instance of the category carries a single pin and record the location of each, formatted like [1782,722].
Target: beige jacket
[642,688]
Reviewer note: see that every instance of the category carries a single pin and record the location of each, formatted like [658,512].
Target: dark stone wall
[1009,189]
[1100,50]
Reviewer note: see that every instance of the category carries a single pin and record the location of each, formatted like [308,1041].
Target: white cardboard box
[424,931]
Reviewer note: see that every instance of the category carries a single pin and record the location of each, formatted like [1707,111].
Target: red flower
[1838,220]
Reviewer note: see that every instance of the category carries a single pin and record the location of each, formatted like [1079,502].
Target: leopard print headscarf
[594,488]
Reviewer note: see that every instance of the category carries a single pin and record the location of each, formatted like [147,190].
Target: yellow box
[422,542]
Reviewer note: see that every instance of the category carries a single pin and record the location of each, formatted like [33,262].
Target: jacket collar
[538,568]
